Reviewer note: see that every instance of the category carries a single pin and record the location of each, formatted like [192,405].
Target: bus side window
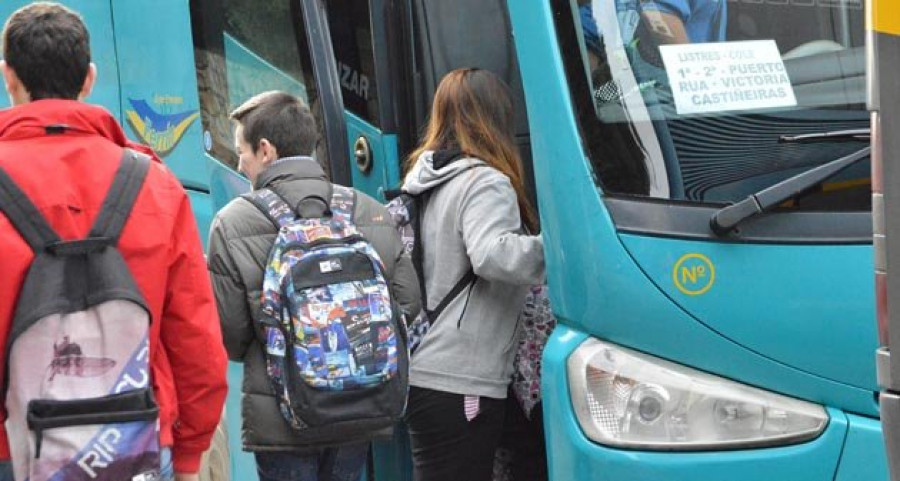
[242,48]
[350,24]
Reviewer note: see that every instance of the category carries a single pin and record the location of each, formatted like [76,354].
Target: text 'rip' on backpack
[78,393]
[335,341]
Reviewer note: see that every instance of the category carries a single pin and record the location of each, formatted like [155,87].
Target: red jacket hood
[31,119]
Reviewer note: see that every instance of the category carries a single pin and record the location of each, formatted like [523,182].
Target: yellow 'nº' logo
[694,274]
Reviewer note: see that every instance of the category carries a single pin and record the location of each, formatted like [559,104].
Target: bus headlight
[627,399]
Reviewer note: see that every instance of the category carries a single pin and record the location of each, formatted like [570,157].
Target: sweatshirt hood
[434,168]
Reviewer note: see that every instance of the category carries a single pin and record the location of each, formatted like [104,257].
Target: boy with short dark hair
[275,136]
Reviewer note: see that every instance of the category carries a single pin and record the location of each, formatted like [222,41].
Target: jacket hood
[290,168]
[434,168]
[33,119]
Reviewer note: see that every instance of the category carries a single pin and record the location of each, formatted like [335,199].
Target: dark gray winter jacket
[240,239]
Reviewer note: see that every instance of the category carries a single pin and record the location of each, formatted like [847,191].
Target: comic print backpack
[78,393]
[335,341]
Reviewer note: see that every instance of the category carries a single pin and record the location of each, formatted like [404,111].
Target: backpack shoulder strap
[272,205]
[465,281]
[391,194]
[24,216]
[122,193]
[415,206]
[343,202]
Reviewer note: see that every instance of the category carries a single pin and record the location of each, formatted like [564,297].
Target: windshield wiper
[727,218]
[853,135]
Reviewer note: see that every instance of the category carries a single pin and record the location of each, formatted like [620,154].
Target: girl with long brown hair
[480,260]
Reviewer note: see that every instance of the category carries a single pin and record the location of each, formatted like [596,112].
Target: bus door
[367,39]
[391,54]
[466,34]
[99,22]
[884,102]
[242,48]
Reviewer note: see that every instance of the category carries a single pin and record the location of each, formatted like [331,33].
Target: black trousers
[445,445]
[523,439]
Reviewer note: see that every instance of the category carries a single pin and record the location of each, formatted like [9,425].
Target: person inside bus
[685,21]
[610,140]
[474,226]
[673,22]
[646,25]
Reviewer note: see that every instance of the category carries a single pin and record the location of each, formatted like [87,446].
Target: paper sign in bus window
[719,77]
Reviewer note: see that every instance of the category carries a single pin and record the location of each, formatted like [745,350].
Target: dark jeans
[6,471]
[331,464]
[166,468]
[446,446]
[523,439]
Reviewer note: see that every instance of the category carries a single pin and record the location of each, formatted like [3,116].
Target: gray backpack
[78,392]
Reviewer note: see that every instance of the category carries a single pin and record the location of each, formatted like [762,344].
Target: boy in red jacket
[63,154]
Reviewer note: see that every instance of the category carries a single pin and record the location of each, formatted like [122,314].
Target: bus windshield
[687,99]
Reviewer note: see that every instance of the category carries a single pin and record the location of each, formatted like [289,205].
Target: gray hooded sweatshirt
[471,220]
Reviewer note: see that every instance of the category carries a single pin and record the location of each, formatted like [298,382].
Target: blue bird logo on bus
[161,131]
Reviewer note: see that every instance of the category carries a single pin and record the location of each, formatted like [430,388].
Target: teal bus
[701,169]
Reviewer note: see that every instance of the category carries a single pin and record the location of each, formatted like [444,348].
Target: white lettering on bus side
[354,81]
